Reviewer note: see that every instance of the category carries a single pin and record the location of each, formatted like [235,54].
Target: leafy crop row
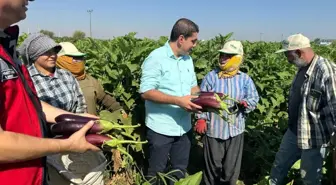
[116,63]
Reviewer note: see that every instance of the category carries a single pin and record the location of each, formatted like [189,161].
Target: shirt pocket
[313,100]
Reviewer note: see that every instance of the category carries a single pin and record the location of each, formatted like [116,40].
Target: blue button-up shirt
[164,72]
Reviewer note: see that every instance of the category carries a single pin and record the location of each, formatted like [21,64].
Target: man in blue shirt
[223,142]
[167,82]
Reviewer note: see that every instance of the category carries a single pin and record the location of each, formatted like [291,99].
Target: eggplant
[203,93]
[213,103]
[207,102]
[75,118]
[100,126]
[101,140]
[97,139]
[69,127]
[107,143]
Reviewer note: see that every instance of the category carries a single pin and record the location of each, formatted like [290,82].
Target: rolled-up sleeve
[151,74]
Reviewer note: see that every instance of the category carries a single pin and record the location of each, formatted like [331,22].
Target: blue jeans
[289,153]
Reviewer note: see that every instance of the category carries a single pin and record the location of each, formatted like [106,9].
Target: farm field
[117,62]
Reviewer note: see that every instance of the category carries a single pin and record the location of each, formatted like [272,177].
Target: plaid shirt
[318,108]
[61,90]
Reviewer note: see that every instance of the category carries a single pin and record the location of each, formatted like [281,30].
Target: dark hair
[183,27]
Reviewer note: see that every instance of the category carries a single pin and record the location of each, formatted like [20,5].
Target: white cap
[233,47]
[294,42]
[69,49]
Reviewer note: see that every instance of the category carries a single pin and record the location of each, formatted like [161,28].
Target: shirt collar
[10,32]
[312,66]
[34,72]
[170,52]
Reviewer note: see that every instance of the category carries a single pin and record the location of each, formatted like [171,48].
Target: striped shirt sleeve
[251,96]
[330,88]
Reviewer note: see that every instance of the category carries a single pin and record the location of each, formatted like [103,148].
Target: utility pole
[90,12]
[261,36]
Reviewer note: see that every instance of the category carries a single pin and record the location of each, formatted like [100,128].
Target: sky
[249,19]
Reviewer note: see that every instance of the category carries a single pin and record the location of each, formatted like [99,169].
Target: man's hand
[185,102]
[77,142]
[200,126]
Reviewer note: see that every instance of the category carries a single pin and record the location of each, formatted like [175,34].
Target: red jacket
[20,111]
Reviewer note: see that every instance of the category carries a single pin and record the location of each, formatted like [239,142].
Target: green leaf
[194,179]
[202,63]
[132,67]
[296,165]
[126,95]
[113,73]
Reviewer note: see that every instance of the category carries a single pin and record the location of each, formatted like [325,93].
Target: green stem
[128,135]
[107,126]
[116,142]
[124,152]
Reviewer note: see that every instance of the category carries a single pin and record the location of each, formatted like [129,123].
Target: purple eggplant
[100,126]
[74,118]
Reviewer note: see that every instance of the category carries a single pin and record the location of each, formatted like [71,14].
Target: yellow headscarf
[76,68]
[231,67]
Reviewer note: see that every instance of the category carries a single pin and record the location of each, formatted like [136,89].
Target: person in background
[311,110]
[224,141]
[69,58]
[59,88]
[23,120]
[167,82]
[55,86]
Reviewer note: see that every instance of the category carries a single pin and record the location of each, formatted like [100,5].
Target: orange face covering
[76,68]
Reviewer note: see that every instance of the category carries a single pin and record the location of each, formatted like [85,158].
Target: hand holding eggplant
[77,141]
[186,103]
[98,134]
[215,102]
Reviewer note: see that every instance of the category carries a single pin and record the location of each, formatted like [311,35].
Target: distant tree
[64,39]
[333,43]
[317,40]
[77,35]
[48,33]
